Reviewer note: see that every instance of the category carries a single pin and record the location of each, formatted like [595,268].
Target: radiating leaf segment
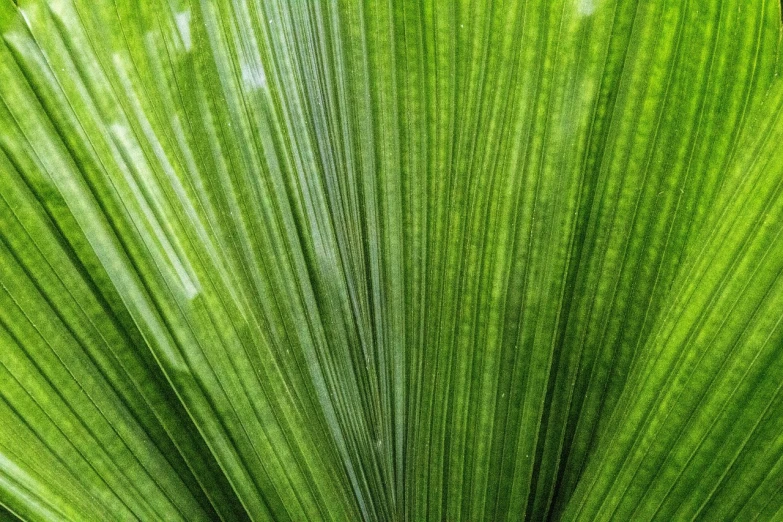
[391,260]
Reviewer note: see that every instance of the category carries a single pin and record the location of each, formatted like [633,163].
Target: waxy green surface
[391,260]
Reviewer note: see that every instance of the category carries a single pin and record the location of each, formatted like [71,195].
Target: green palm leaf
[410,260]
